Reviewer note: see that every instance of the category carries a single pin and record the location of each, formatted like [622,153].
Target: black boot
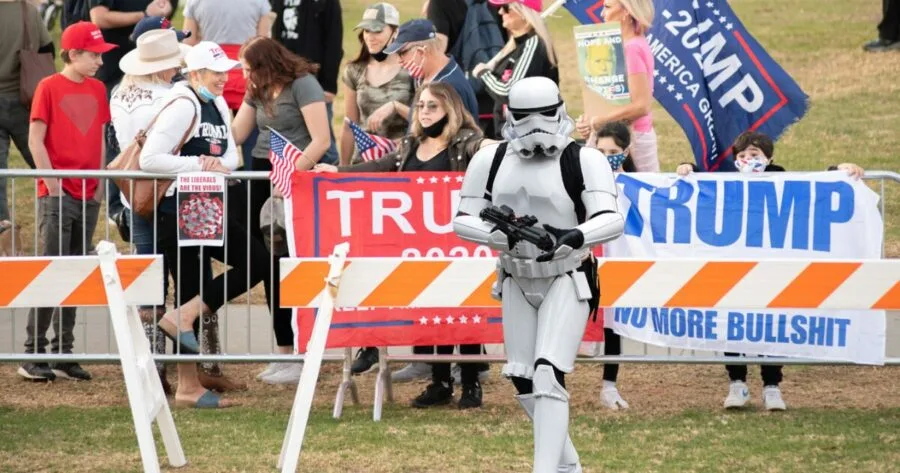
[438,393]
[471,396]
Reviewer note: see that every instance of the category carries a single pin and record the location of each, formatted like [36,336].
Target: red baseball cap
[532,4]
[86,36]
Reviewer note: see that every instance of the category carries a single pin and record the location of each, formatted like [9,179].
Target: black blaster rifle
[517,228]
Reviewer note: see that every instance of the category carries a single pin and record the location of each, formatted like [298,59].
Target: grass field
[839,419]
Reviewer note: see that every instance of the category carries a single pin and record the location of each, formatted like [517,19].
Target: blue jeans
[145,243]
[247,149]
[331,156]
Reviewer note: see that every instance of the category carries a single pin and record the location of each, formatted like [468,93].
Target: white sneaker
[611,399]
[411,371]
[288,375]
[272,369]
[456,373]
[738,395]
[772,399]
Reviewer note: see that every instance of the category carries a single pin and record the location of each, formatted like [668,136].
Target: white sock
[609,384]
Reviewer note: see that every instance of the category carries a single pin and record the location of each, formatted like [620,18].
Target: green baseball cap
[377,16]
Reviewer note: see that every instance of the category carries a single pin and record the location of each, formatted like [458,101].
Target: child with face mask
[753,153]
[613,139]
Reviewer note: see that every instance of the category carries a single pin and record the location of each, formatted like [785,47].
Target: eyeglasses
[430,106]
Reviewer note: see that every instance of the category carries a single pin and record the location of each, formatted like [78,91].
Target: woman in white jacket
[211,148]
[140,95]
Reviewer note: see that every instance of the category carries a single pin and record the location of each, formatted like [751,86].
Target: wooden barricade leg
[315,349]
[145,393]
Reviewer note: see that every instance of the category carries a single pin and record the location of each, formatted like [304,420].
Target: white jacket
[157,156]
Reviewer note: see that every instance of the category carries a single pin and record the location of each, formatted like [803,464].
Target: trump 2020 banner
[389,214]
[734,216]
[712,76]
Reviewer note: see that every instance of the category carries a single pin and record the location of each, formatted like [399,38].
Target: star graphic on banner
[420,180]
[476,319]
[459,178]
[715,12]
[729,26]
[678,96]
[449,320]
[423,321]
[671,88]
[433,180]
[463,319]
[655,72]
[436,320]
[663,80]
[709,4]
[722,19]
[446,178]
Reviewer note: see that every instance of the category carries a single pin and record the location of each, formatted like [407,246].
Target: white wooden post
[145,392]
[315,349]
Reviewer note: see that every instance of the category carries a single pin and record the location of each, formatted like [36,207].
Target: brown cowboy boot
[211,376]
[157,339]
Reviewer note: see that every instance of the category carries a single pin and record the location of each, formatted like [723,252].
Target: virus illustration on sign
[201,217]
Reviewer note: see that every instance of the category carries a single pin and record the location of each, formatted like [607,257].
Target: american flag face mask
[415,69]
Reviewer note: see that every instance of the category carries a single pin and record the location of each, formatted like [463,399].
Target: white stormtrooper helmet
[536,120]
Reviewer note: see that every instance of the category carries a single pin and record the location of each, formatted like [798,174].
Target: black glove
[573,238]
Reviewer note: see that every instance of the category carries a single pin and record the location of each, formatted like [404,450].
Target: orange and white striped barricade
[121,283]
[726,284]
[315,350]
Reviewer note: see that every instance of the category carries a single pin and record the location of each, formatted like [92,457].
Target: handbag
[33,66]
[144,195]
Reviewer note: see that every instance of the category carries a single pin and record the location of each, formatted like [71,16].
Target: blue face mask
[205,94]
[616,160]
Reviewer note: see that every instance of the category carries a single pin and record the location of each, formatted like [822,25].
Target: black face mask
[380,56]
[436,128]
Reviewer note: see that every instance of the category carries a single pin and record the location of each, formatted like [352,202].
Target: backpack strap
[573,178]
[495,165]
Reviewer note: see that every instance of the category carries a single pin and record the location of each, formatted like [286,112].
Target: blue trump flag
[712,76]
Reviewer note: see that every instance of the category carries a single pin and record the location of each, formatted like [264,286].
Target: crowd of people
[205,98]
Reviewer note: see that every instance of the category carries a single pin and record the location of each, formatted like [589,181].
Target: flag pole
[552,8]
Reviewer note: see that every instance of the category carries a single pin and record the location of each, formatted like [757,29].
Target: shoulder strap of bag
[495,166]
[573,178]
[142,135]
[26,38]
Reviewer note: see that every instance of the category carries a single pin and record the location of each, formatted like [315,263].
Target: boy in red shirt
[68,116]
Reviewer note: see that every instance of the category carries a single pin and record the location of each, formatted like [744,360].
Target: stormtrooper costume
[546,297]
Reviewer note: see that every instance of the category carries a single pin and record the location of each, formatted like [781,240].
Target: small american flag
[370,146]
[282,155]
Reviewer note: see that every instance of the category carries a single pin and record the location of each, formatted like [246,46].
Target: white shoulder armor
[474,197]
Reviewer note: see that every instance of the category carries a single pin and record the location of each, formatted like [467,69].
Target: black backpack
[479,40]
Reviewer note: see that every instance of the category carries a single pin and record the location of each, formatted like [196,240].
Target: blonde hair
[642,11]
[154,78]
[536,23]
[457,115]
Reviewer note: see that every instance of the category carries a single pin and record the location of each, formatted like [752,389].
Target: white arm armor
[603,220]
[467,224]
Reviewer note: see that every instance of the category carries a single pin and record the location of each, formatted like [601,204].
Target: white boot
[569,461]
[551,420]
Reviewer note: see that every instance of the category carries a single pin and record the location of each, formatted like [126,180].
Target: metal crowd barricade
[264,352]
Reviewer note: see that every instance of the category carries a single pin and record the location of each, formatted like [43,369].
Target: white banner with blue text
[822,215]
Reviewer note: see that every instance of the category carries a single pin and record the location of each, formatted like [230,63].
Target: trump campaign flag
[282,154]
[370,147]
[712,76]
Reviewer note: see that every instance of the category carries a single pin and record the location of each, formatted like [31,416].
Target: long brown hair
[364,53]
[272,66]
[457,115]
